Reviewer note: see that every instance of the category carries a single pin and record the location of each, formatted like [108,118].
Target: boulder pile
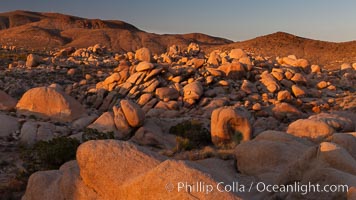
[277,120]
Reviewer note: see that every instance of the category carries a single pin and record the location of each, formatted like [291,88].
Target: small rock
[345,66]
[314,130]
[284,95]
[133,113]
[193,90]
[32,60]
[105,123]
[297,91]
[166,92]
[256,107]
[71,72]
[269,81]
[315,69]
[144,66]
[322,85]
[237,54]
[143,54]
[193,49]
[122,125]
[7,102]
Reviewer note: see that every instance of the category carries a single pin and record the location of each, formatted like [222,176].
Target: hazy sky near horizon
[237,20]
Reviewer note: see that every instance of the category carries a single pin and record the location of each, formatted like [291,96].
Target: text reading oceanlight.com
[236,187]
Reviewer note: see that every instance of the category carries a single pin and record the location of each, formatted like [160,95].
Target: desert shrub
[183,144]
[237,137]
[45,155]
[93,134]
[190,134]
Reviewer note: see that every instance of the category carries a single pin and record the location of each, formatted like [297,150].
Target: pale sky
[237,20]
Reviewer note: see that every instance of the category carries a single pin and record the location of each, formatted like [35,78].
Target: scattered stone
[269,81]
[286,111]
[233,70]
[284,95]
[272,153]
[133,113]
[8,125]
[105,123]
[345,66]
[32,60]
[237,54]
[248,87]
[144,66]
[315,69]
[83,122]
[299,78]
[214,58]
[193,49]
[193,91]
[32,132]
[167,93]
[322,85]
[314,130]
[121,123]
[337,122]
[256,107]
[7,102]
[298,91]
[71,72]
[143,54]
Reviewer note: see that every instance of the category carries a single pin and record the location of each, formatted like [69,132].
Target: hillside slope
[284,44]
[50,30]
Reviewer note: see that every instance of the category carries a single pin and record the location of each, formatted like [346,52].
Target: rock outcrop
[125,173]
[46,102]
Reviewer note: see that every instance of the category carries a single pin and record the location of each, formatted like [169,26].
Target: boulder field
[180,125]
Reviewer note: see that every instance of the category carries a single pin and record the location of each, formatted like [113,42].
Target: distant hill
[53,30]
[49,30]
[284,44]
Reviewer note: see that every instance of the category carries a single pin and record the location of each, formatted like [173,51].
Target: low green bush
[93,134]
[46,155]
[191,134]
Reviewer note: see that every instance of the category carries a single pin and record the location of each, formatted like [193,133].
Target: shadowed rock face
[6,101]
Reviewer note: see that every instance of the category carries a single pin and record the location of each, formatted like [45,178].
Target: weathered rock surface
[8,125]
[228,125]
[126,172]
[32,132]
[193,90]
[314,130]
[143,54]
[105,123]
[50,103]
[269,154]
[133,113]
